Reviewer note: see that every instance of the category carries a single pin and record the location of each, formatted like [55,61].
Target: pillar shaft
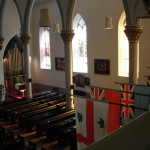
[67,37]
[25,40]
[133,34]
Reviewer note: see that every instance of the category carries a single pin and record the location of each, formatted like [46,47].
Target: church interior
[74,74]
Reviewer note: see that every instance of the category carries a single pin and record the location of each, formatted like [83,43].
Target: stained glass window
[123,57]
[79,45]
[45,59]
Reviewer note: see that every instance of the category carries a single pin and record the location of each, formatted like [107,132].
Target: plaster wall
[47,76]
[144,51]
[101,44]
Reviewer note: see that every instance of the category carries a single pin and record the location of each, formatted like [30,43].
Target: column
[1,42]
[67,36]
[133,33]
[25,40]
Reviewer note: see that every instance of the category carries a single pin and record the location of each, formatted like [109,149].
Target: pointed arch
[13,57]
[123,48]
[79,44]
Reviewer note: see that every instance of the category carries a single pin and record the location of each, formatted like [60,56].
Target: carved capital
[25,38]
[67,35]
[1,42]
[133,33]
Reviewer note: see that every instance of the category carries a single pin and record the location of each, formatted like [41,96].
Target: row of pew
[45,114]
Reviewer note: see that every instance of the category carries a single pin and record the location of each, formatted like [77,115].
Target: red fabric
[114,110]
[128,100]
[96,93]
[89,125]
[18,96]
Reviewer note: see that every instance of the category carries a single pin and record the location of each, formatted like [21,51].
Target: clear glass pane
[123,48]
[80,47]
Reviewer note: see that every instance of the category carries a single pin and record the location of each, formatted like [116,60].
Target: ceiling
[41,1]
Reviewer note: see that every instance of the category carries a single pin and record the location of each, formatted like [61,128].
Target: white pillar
[133,33]
[67,36]
[25,40]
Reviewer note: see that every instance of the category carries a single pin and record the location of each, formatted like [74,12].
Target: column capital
[67,35]
[25,38]
[1,42]
[133,33]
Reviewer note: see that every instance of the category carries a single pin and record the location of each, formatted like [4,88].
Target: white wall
[101,44]
[45,76]
[144,51]
[11,26]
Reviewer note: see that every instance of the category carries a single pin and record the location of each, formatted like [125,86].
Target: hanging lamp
[108,19]
[44,17]
[108,23]
[56,27]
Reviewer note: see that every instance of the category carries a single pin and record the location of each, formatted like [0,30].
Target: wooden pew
[22,102]
[5,108]
[31,122]
[10,101]
[67,136]
[13,115]
[22,120]
[27,103]
[41,94]
[52,116]
[42,125]
[13,144]
[29,147]
[2,130]
[52,130]
[6,137]
[6,102]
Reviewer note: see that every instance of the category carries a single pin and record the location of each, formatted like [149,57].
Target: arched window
[45,59]
[79,44]
[123,48]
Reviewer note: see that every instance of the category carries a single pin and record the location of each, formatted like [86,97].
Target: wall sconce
[108,23]
[44,17]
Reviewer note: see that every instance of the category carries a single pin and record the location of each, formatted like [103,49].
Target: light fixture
[108,23]
[108,19]
[44,17]
[56,27]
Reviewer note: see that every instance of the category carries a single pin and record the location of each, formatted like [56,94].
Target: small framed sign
[87,81]
[60,63]
[102,66]
[80,80]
